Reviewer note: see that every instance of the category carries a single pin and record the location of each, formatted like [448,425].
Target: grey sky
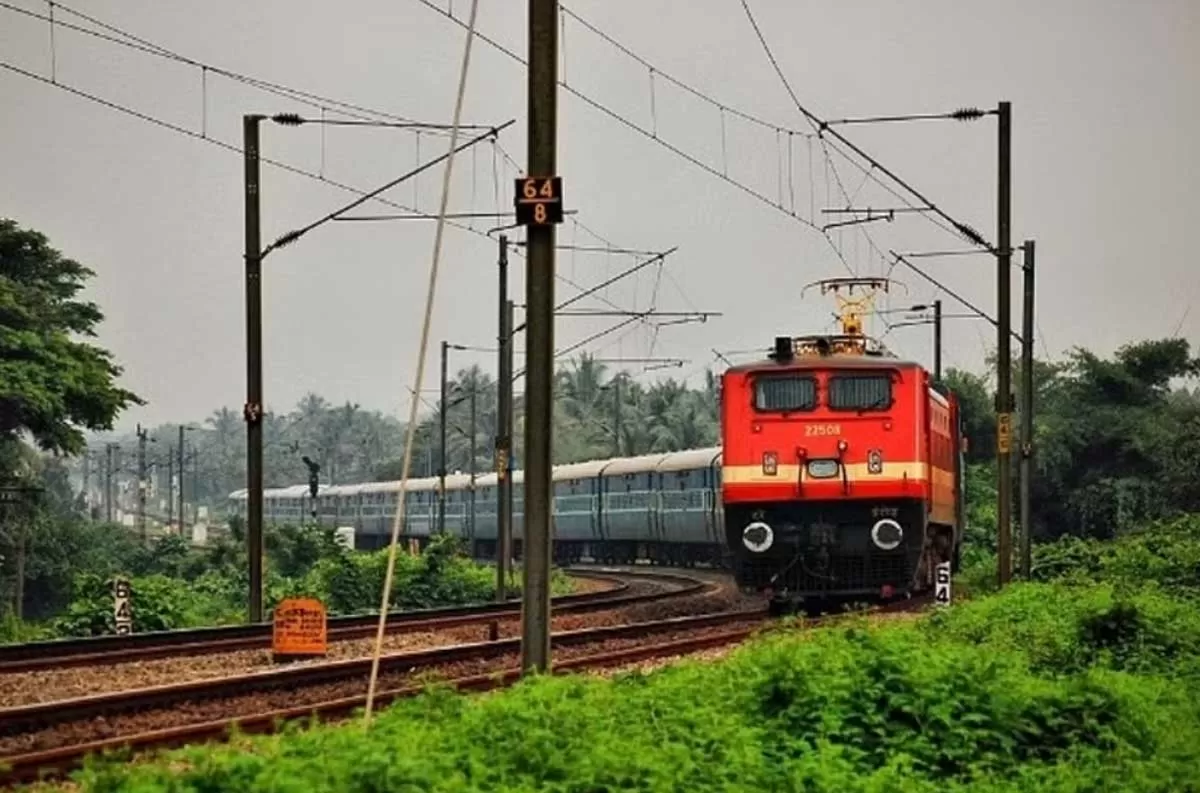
[1105,111]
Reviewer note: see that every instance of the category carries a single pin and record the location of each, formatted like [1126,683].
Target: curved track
[101,650]
[53,738]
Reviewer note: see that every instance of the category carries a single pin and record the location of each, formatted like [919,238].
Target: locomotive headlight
[822,469]
[843,446]
[875,461]
[770,463]
[757,536]
[887,534]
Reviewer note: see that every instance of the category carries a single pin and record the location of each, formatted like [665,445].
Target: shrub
[1064,629]
[1164,553]
[209,587]
[851,709]
[158,603]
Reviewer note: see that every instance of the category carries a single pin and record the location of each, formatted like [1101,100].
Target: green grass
[1088,680]
[1046,687]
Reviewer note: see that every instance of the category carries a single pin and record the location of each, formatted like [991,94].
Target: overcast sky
[1106,105]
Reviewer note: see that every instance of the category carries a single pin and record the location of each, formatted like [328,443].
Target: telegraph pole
[539,190]
[87,483]
[170,488]
[473,390]
[108,487]
[252,412]
[503,415]
[1004,395]
[937,341]
[182,529]
[1026,462]
[617,415]
[504,424]
[142,435]
[441,511]
[195,482]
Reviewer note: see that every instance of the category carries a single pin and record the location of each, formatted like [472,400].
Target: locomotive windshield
[860,392]
[785,393]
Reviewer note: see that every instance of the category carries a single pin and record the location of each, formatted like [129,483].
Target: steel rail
[101,650]
[38,715]
[57,762]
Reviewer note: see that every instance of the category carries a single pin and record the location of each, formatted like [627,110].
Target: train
[839,476]
[664,508]
[843,466]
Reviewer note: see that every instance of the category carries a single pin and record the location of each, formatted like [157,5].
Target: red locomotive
[842,467]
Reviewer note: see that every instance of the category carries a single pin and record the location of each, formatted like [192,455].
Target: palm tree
[336,428]
[222,458]
[580,387]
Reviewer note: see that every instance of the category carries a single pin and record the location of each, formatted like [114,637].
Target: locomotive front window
[785,393]
[860,392]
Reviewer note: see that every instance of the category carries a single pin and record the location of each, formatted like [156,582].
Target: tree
[979,419]
[1116,446]
[51,384]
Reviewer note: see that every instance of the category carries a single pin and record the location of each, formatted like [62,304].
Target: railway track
[101,650]
[53,738]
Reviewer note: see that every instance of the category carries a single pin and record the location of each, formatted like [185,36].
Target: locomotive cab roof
[826,352]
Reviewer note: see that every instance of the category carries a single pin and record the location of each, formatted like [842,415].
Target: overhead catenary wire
[822,127]
[296,120]
[318,101]
[427,321]
[633,125]
[678,83]
[776,129]
[280,164]
[294,235]
[365,115]
[940,254]
[129,40]
[609,246]
[978,311]
[611,329]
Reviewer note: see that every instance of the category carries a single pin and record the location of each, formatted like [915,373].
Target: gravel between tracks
[195,711]
[26,688]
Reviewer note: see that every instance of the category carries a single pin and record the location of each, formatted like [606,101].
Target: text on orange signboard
[299,627]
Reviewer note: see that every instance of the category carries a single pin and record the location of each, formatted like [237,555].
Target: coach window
[789,393]
[860,392]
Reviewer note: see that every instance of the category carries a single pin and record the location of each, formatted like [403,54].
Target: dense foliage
[176,586]
[52,385]
[356,445]
[1086,677]
[1089,682]
[1116,441]
[1117,444]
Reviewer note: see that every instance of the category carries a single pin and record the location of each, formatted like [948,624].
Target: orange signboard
[299,628]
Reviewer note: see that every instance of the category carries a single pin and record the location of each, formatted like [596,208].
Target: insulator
[971,234]
[967,114]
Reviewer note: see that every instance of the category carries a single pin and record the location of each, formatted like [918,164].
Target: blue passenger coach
[665,508]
